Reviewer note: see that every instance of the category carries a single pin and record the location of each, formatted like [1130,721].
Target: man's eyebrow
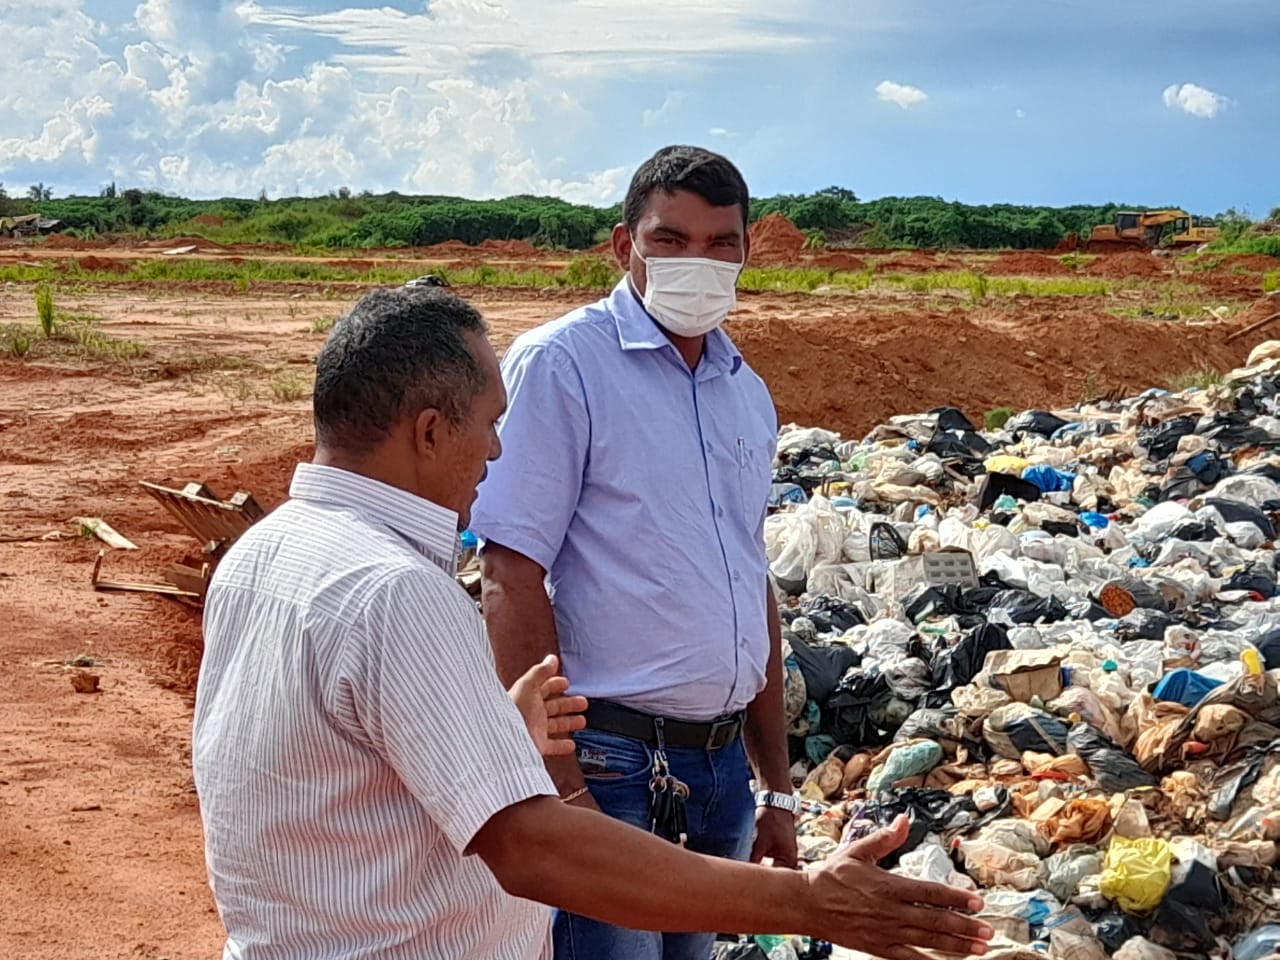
[671,231]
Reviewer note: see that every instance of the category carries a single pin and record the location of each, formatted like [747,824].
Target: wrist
[776,800]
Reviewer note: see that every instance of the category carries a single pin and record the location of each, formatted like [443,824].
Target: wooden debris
[104,532]
[216,523]
[1252,327]
[167,589]
[82,681]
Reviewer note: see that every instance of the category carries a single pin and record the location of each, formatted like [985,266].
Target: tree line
[346,220]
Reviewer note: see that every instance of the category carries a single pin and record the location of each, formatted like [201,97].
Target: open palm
[550,716]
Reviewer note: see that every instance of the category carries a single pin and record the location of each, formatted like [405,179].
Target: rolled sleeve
[529,497]
[427,698]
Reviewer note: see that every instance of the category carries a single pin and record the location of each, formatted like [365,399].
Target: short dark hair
[712,177]
[397,352]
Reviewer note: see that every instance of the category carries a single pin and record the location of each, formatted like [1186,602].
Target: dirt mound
[103,265]
[1250,262]
[601,249]
[1264,308]
[850,370]
[839,261]
[510,248]
[775,240]
[1117,266]
[61,241]
[1026,265]
[450,248]
[914,262]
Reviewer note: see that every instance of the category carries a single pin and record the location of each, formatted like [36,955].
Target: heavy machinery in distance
[1146,230]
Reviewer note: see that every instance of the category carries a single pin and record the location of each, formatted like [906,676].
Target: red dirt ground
[100,841]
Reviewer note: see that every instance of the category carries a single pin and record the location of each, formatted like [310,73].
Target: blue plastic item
[841,503]
[923,511]
[1138,562]
[781,493]
[1049,479]
[1184,686]
[468,540]
[1261,943]
[1097,521]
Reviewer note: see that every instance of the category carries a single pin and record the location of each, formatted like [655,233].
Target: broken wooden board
[211,520]
[104,532]
[131,586]
[189,578]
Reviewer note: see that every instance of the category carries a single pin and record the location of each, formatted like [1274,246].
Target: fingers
[559,748]
[934,895]
[911,938]
[560,706]
[927,921]
[554,687]
[876,846]
[563,726]
[538,674]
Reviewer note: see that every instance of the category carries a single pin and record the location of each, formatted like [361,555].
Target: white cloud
[469,97]
[720,132]
[1194,99]
[1020,113]
[903,95]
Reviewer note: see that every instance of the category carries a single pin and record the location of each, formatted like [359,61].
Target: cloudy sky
[1051,101]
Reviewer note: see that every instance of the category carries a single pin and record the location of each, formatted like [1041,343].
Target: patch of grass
[1200,378]
[15,339]
[45,309]
[323,324]
[801,279]
[979,286]
[1271,282]
[591,272]
[1072,260]
[1091,390]
[995,419]
[75,337]
[288,386]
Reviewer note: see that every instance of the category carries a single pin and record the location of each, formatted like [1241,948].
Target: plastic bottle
[1252,662]
[1261,943]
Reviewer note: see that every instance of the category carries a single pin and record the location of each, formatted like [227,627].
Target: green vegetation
[288,385]
[74,337]
[995,419]
[344,220]
[44,309]
[1271,282]
[1199,377]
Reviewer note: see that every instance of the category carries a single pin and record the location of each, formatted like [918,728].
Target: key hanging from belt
[668,817]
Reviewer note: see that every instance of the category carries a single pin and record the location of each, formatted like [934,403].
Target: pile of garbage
[1054,643]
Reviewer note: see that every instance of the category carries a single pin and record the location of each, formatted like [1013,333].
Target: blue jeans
[721,815]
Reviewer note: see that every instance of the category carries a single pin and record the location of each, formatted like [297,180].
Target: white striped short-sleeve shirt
[351,737]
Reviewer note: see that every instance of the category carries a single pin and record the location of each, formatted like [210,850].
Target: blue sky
[1026,101]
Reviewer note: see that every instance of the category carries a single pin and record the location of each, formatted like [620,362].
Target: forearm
[522,631]
[765,735]
[586,863]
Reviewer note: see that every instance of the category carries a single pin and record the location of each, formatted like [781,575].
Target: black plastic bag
[1161,441]
[931,811]
[1040,422]
[1269,649]
[855,714]
[957,666]
[1034,731]
[1194,531]
[1255,578]
[886,543]
[1232,431]
[1114,929]
[738,951]
[949,418]
[946,727]
[1024,607]
[995,485]
[1234,511]
[1114,769]
[823,665]
[1229,781]
[1183,921]
[1143,624]
[831,614]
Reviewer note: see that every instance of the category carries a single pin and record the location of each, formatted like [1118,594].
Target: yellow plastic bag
[1137,873]
[1003,463]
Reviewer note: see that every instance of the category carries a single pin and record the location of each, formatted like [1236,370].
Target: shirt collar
[431,529]
[639,331]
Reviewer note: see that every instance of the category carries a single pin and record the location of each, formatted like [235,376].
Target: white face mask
[690,296]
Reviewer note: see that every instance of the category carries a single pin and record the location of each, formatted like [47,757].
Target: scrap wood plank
[130,586]
[188,578]
[104,532]
[1252,327]
[211,520]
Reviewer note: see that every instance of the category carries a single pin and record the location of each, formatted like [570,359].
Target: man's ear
[428,432]
[622,246]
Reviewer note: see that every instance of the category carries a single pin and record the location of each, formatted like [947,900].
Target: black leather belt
[614,718]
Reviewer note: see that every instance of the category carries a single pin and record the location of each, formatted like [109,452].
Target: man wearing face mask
[623,531]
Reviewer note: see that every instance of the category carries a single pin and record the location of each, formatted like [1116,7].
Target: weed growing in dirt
[801,279]
[15,340]
[979,285]
[1073,261]
[1271,282]
[288,386]
[594,273]
[44,308]
[996,419]
[323,324]
[1201,377]
[1091,390]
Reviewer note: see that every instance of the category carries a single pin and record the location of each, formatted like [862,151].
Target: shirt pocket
[755,475]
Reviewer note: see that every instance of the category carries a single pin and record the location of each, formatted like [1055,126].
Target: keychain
[668,816]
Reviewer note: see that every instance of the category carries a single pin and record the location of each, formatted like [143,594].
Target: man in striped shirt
[368,788]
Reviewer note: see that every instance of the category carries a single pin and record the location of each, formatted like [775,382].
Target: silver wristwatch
[782,801]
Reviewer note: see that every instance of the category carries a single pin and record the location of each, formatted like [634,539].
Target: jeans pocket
[608,758]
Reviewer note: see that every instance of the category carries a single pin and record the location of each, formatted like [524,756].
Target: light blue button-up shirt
[641,487]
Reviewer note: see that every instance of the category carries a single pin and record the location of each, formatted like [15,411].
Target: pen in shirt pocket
[742,452]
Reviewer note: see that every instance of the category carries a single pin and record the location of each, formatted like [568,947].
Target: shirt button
[719,511]
[736,576]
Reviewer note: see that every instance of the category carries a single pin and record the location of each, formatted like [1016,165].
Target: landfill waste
[1055,646]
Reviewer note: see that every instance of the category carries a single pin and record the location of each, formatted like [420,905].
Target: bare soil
[100,840]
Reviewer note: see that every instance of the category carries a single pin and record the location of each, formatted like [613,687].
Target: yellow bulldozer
[1147,230]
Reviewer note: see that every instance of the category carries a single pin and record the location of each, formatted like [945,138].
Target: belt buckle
[727,727]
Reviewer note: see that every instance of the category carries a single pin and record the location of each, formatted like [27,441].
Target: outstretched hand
[864,907]
[550,716]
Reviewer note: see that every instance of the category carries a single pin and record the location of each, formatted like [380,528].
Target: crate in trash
[951,566]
